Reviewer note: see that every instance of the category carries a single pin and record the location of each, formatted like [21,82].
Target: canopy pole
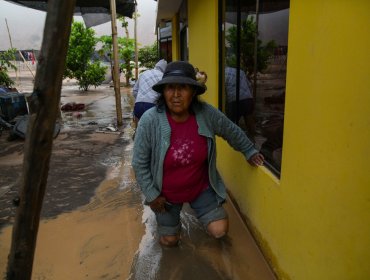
[136,50]
[116,79]
[39,140]
[26,63]
[11,45]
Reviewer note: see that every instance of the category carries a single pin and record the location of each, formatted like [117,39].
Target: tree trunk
[38,145]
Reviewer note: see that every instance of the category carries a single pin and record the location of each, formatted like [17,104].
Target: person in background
[245,105]
[144,95]
[174,156]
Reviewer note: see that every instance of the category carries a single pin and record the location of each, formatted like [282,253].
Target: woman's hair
[161,102]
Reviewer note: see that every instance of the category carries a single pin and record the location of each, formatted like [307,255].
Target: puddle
[146,262]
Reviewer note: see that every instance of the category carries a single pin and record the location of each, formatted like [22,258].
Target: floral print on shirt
[182,152]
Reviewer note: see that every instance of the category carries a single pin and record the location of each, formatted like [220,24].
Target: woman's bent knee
[169,240]
[218,228]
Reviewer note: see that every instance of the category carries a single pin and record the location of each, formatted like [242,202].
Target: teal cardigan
[152,140]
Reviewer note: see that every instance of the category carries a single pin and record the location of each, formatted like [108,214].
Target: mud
[93,223]
[81,154]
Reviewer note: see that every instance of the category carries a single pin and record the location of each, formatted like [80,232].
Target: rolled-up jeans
[206,207]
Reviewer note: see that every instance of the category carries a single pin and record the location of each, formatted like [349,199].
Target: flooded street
[93,223]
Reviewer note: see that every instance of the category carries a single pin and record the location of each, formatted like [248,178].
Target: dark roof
[87,7]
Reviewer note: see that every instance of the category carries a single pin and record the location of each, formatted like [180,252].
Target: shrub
[148,56]
[6,59]
[94,75]
[80,51]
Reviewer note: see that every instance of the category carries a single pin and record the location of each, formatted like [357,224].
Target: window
[184,49]
[183,18]
[165,42]
[255,71]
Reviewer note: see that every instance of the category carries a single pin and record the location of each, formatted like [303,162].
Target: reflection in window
[183,18]
[255,71]
[243,107]
[165,41]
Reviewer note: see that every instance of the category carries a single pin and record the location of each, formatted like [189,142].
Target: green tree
[6,59]
[93,76]
[247,41]
[126,50]
[80,51]
[107,48]
[127,53]
[148,55]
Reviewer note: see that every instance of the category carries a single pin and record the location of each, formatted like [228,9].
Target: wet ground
[93,224]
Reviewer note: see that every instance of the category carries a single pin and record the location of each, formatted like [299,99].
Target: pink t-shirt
[185,172]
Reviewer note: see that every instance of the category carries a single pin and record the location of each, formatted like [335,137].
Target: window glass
[254,63]
[165,41]
[184,48]
[183,17]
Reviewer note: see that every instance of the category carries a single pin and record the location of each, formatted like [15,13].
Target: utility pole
[25,63]
[116,79]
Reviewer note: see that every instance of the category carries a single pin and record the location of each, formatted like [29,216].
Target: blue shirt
[230,84]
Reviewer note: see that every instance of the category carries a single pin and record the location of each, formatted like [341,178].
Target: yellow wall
[203,40]
[315,222]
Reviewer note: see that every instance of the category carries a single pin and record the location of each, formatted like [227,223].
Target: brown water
[94,225]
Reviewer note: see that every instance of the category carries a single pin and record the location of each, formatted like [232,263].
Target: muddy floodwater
[93,223]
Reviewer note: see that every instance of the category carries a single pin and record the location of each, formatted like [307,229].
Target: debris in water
[73,106]
[108,129]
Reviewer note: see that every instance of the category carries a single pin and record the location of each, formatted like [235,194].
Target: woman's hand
[157,205]
[256,159]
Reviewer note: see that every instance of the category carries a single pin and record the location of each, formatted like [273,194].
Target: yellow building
[309,207]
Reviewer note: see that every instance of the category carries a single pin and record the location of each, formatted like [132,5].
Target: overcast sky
[26,25]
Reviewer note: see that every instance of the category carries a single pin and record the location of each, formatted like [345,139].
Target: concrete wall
[313,223]
[203,40]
